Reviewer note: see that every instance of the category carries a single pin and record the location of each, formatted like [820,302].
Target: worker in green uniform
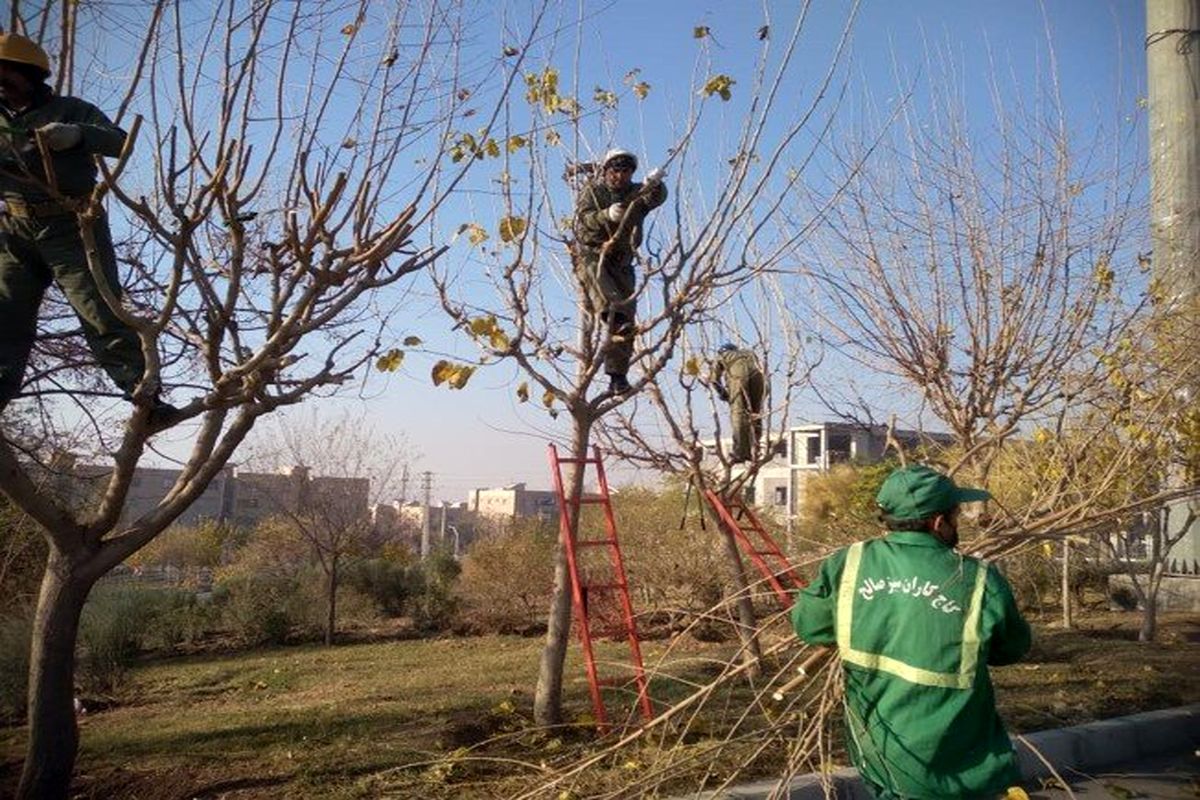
[39,235]
[609,213]
[916,626]
[738,380]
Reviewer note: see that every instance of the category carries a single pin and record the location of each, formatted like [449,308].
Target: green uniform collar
[917,539]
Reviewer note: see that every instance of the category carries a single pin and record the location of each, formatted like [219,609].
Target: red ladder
[741,526]
[589,595]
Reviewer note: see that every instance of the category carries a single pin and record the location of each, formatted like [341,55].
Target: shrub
[434,604]
[16,628]
[116,623]
[262,609]
[506,581]
[389,583]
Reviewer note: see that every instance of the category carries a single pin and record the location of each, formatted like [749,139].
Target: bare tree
[702,246]
[269,202]
[984,268]
[347,468]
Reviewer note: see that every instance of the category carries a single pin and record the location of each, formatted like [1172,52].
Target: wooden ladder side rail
[772,546]
[585,634]
[618,564]
[752,551]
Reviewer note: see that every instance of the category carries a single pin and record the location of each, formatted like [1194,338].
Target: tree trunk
[53,737]
[1149,628]
[1066,585]
[747,625]
[547,698]
[331,602]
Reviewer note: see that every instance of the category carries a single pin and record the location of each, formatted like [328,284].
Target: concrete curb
[1092,746]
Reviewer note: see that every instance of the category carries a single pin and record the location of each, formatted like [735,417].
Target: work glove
[656,175]
[60,135]
[615,212]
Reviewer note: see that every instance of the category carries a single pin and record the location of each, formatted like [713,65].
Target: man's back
[916,625]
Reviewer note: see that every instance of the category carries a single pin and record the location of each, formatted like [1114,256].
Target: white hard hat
[616,153]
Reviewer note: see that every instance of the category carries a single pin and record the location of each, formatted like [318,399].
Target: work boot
[618,384]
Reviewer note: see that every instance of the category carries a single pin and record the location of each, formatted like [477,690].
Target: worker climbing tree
[48,147]
[737,378]
[609,213]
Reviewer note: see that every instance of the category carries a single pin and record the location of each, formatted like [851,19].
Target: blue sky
[481,436]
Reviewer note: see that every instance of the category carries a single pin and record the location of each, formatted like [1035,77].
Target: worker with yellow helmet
[39,233]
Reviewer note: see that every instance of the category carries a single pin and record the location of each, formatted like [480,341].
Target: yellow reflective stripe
[964,678]
[845,605]
[970,637]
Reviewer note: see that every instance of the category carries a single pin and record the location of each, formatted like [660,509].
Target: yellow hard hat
[14,47]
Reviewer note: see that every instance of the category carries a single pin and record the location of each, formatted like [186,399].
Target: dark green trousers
[34,252]
[745,413]
[609,293]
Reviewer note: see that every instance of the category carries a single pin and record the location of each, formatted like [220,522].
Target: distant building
[813,449]
[504,505]
[234,496]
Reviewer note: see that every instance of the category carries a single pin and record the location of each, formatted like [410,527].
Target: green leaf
[718,84]
[641,89]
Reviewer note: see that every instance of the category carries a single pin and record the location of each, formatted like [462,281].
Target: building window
[812,449]
[839,448]
[781,495]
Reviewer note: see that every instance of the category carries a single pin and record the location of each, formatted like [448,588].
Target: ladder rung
[592,542]
[593,498]
[569,460]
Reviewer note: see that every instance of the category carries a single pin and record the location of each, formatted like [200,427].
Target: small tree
[352,469]
[702,246]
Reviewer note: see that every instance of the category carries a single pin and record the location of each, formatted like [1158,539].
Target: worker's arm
[813,613]
[100,136]
[655,194]
[1011,637]
[592,224]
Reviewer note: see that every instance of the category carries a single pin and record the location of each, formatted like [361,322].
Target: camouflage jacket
[592,225]
[21,168]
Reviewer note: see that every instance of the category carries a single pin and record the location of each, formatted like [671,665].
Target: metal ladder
[590,596]
[740,521]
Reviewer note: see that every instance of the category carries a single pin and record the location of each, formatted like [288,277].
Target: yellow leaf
[349,143]
[515,143]
[491,148]
[441,372]
[391,360]
[1016,793]
[548,399]
[692,366]
[523,392]
[474,231]
[718,84]
[412,341]
[553,137]
[511,228]
[605,98]
[699,32]
[350,29]
[462,373]
[641,89]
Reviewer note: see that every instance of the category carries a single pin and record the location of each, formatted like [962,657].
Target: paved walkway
[1164,777]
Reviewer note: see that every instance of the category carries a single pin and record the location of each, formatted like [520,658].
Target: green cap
[919,492]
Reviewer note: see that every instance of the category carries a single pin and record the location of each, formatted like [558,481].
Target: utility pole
[427,487]
[1173,84]
[1173,95]
[442,532]
[404,484]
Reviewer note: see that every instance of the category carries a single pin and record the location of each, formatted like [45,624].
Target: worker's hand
[724,395]
[60,135]
[616,211]
[656,175]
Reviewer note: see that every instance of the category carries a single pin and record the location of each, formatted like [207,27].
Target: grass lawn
[310,721]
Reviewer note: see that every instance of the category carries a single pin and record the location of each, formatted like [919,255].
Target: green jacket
[75,168]
[592,225]
[916,626]
[734,369]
